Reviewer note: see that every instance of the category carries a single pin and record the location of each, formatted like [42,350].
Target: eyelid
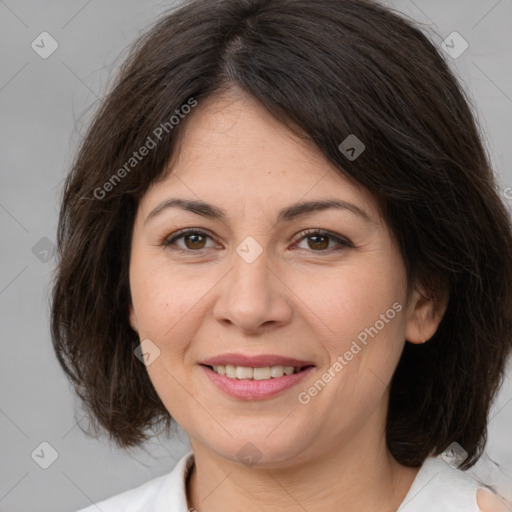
[342,241]
[185,231]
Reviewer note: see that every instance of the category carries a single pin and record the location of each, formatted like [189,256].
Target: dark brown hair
[326,69]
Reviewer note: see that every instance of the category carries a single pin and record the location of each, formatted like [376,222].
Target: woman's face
[257,283]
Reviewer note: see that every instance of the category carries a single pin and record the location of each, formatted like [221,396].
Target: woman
[282,232]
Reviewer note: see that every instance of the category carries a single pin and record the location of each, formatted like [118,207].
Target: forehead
[232,148]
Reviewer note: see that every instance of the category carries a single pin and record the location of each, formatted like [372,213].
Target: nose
[253,297]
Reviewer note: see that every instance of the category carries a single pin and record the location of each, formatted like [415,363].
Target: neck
[351,477]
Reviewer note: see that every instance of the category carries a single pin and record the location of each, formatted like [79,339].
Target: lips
[276,374]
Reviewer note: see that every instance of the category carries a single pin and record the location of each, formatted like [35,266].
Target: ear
[133,319]
[425,313]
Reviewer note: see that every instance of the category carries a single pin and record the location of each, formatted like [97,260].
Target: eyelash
[343,243]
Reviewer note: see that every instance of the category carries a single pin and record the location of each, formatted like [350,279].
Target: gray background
[45,105]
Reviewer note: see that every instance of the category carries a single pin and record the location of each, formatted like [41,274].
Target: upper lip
[255,361]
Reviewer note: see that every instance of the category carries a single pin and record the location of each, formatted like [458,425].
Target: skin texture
[295,299]
[489,502]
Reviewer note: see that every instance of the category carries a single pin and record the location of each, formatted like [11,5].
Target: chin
[260,449]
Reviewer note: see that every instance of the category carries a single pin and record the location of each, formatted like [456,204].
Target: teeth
[261,373]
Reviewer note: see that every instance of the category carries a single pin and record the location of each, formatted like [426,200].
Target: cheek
[356,297]
[159,298]
[168,302]
[364,309]
[165,304]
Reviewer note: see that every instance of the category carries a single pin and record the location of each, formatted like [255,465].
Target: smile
[255,373]
[255,383]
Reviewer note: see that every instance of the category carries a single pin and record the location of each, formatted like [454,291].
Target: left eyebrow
[287,214]
[300,209]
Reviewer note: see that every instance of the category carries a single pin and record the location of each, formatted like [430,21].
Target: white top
[437,486]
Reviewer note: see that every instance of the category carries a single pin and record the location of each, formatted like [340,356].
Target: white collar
[436,486]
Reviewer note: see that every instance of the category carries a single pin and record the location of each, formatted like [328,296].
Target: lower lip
[247,389]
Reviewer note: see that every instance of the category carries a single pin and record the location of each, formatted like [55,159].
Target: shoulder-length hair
[326,69]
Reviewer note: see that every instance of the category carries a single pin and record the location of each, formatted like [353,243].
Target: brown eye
[193,240]
[319,240]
